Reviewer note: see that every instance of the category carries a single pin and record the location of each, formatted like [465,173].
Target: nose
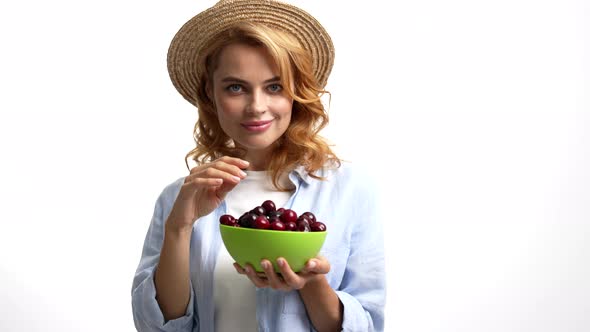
[257,103]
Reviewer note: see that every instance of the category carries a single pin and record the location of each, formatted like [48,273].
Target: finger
[291,278]
[256,280]
[219,183]
[189,188]
[229,168]
[317,266]
[309,267]
[213,172]
[240,163]
[198,168]
[239,269]
[274,280]
[237,162]
[203,182]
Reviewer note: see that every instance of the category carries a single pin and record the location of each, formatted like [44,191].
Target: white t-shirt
[235,294]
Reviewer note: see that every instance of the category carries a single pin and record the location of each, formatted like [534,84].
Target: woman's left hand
[287,280]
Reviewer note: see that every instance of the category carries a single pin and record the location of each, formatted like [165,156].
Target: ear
[209,91]
[207,94]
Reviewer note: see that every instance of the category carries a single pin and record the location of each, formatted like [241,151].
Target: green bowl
[248,245]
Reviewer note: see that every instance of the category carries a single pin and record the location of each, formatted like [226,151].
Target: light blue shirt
[346,202]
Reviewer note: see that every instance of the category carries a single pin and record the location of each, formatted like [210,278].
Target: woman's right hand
[204,189]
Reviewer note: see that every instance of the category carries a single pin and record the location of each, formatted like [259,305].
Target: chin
[256,145]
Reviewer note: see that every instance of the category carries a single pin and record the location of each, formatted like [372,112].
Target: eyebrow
[235,79]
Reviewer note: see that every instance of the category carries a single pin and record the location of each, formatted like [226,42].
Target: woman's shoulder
[171,190]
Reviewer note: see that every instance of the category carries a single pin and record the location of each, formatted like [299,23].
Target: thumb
[317,265]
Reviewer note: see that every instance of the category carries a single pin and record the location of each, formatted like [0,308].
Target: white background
[475,115]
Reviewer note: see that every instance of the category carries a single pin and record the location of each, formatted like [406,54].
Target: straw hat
[195,33]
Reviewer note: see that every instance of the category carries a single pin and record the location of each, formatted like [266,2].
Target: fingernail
[264,264]
[237,179]
[243,174]
[311,264]
[281,261]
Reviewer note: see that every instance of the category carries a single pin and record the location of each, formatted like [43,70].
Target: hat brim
[194,34]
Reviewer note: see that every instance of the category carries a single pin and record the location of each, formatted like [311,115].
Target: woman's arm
[172,273]
[147,313]
[202,192]
[322,304]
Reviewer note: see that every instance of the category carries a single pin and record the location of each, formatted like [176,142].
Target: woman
[256,70]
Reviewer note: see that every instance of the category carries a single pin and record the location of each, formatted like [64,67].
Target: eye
[234,88]
[275,88]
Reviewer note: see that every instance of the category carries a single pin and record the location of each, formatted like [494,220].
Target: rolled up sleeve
[147,314]
[362,291]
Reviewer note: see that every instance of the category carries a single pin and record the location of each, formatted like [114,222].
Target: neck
[258,160]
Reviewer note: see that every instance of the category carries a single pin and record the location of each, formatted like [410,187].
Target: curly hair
[301,144]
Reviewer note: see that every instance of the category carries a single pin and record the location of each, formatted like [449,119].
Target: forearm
[172,273]
[322,304]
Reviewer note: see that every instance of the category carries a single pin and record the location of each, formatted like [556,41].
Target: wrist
[316,282]
[175,227]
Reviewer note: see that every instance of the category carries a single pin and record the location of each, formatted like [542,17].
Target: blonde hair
[301,144]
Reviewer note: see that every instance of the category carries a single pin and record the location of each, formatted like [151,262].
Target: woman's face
[252,107]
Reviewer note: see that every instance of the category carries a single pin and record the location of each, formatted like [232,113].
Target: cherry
[303,227]
[273,219]
[277,225]
[247,220]
[269,206]
[318,227]
[304,218]
[303,221]
[261,222]
[289,215]
[274,214]
[259,210]
[228,219]
[310,216]
[291,226]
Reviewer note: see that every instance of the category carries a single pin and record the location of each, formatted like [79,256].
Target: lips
[256,126]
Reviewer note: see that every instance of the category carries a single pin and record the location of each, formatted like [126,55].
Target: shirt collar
[301,174]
